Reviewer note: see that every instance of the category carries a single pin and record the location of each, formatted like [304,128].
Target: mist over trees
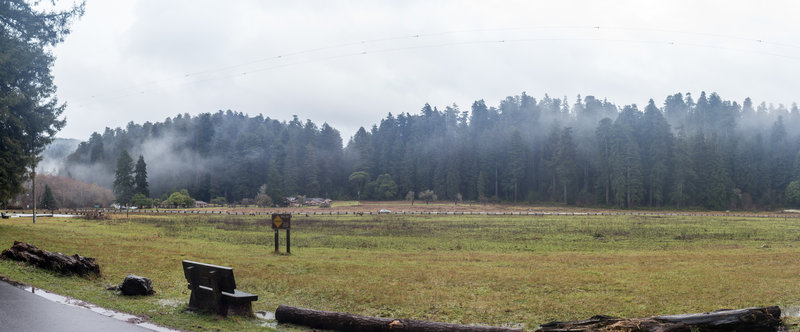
[224,154]
[705,152]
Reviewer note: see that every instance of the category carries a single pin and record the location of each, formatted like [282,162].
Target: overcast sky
[349,63]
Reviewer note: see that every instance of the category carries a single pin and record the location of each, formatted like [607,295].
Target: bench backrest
[200,274]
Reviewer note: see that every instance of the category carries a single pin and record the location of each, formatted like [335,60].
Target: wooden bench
[214,290]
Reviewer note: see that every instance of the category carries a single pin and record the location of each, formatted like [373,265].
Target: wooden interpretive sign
[282,221]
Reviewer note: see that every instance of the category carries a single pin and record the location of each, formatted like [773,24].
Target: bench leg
[241,309]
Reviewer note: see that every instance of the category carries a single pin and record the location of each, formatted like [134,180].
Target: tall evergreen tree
[683,173]
[29,109]
[123,178]
[605,143]
[516,156]
[657,148]
[566,167]
[627,182]
[140,178]
[48,200]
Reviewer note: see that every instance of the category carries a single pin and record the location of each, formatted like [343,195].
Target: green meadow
[517,271]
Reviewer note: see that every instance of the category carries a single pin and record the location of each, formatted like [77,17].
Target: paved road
[21,311]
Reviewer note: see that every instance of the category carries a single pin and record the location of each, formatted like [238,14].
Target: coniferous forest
[685,152]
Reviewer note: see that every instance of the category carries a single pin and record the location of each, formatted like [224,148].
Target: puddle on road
[136,320]
[268,317]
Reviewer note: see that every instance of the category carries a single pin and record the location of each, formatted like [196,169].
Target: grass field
[495,270]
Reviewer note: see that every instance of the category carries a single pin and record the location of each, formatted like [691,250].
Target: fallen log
[56,261]
[762,319]
[339,321]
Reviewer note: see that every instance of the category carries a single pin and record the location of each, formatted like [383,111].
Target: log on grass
[56,261]
[760,319]
[340,321]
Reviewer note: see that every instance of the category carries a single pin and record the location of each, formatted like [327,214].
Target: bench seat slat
[239,297]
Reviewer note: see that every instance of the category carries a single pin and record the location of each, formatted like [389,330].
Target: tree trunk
[339,321]
[628,185]
[761,319]
[515,191]
[496,186]
[586,177]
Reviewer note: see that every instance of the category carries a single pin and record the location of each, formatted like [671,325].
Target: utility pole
[34,193]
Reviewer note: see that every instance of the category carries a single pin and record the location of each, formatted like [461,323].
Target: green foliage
[141,200]
[140,178]
[427,196]
[657,147]
[219,200]
[383,188]
[626,180]
[180,199]
[358,181]
[565,163]
[796,173]
[29,110]
[263,200]
[516,151]
[712,153]
[123,179]
[48,201]
[793,193]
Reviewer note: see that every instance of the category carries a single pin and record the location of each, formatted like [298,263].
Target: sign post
[282,221]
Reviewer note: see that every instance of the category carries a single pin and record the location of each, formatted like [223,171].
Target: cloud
[128,60]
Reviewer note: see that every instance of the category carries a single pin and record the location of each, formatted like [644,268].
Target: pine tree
[683,173]
[657,148]
[29,109]
[566,167]
[48,200]
[123,178]
[605,142]
[627,182]
[516,157]
[140,178]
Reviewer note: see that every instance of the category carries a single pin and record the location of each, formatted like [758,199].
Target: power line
[280,60]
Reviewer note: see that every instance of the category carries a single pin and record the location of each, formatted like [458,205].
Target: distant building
[200,204]
[291,201]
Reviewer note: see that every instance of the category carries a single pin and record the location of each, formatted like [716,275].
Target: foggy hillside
[686,151]
[55,154]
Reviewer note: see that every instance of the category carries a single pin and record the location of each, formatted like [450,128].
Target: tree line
[707,152]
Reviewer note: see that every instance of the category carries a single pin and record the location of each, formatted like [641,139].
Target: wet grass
[497,270]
